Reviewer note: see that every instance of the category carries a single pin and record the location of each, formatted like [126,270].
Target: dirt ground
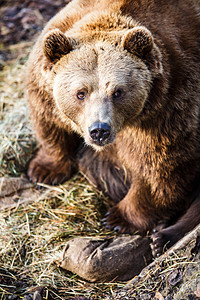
[33,235]
[23,19]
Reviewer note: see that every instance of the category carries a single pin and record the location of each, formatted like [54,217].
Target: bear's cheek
[127,111]
[67,106]
[70,109]
[132,109]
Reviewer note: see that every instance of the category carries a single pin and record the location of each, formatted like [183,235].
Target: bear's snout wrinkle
[99,132]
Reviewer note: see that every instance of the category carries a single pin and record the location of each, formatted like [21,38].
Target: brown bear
[114,90]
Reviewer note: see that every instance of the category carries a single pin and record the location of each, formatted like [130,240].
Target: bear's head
[101,87]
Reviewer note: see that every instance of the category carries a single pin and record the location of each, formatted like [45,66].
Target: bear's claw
[113,220]
[157,244]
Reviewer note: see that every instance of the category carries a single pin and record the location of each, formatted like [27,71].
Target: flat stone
[105,259]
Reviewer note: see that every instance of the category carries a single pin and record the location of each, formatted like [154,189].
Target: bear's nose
[99,132]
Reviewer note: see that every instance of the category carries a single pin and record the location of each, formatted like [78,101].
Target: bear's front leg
[132,214]
[164,238]
[55,161]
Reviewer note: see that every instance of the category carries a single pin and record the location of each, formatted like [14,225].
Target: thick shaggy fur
[149,52]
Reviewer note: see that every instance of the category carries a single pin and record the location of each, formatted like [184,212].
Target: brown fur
[148,51]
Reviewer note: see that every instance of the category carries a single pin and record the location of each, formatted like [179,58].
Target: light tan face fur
[98,72]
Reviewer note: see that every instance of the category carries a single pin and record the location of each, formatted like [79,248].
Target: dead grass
[37,233]
[17,143]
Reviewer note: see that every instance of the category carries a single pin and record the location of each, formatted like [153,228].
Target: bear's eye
[81,95]
[117,94]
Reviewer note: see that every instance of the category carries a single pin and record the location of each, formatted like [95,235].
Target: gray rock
[104,259]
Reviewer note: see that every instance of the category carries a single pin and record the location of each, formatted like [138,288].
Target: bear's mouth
[100,144]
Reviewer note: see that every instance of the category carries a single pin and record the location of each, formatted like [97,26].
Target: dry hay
[37,233]
[17,143]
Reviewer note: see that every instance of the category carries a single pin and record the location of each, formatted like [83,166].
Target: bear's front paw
[113,220]
[42,172]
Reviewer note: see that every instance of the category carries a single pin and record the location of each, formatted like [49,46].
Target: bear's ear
[55,45]
[138,41]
